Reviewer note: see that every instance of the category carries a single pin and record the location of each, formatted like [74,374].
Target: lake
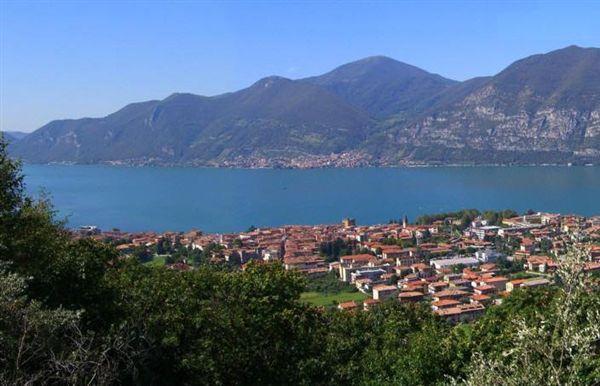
[230,200]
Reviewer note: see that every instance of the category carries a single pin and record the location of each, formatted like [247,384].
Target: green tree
[49,346]
[558,346]
[142,253]
[60,271]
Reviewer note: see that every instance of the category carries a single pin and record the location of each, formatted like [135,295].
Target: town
[458,263]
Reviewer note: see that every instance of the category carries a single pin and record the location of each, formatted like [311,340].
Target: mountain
[382,86]
[376,111]
[13,136]
[275,117]
[541,109]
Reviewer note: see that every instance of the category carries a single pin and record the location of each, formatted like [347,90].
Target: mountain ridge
[381,85]
[13,136]
[544,108]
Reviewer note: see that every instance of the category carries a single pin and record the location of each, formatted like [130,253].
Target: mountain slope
[273,116]
[13,136]
[377,111]
[382,86]
[544,108]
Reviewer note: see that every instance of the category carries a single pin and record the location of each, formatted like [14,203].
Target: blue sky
[73,59]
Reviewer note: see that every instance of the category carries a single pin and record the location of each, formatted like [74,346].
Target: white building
[454,261]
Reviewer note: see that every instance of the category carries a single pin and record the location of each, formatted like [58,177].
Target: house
[488,267]
[437,286]
[392,252]
[499,283]
[536,283]
[410,296]
[455,294]
[595,252]
[303,262]
[402,271]
[527,245]
[373,274]
[351,263]
[445,303]
[488,255]
[422,270]
[368,304]
[415,285]
[348,222]
[523,283]
[383,292]
[272,254]
[480,298]
[541,264]
[453,262]
[514,284]
[363,284]
[462,312]
[358,260]
[592,266]
[408,256]
[485,231]
[484,290]
[460,283]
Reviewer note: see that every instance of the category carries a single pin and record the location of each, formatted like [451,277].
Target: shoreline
[401,166]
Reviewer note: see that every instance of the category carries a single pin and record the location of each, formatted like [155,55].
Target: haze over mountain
[376,111]
[13,136]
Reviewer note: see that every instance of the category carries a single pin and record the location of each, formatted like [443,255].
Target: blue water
[229,200]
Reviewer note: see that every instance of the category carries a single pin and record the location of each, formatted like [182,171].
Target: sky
[73,59]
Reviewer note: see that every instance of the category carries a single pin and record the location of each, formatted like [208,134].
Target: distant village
[459,263]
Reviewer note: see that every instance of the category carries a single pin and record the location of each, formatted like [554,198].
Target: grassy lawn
[327,299]
[157,261]
[523,275]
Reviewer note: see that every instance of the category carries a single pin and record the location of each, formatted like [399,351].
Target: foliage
[41,345]
[555,344]
[143,253]
[509,266]
[400,242]
[208,326]
[466,216]
[328,283]
[332,250]
[328,299]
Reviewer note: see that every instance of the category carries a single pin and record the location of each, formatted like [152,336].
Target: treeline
[72,312]
[465,216]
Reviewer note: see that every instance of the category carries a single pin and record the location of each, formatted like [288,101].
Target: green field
[331,299]
[157,261]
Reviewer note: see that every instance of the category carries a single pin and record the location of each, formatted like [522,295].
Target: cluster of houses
[460,277]
[458,288]
[459,273]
